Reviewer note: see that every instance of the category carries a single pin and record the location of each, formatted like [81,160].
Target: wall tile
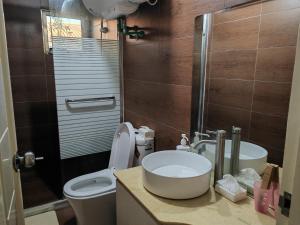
[22,14]
[49,64]
[29,88]
[22,3]
[230,3]
[238,64]
[51,91]
[32,138]
[161,66]
[31,113]
[176,47]
[52,113]
[177,70]
[26,61]
[220,117]
[24,35]
[279,5]
[141,54]
[164,103]
[166,137]
[239,35]
[177,8]
[271,98]
[268,130]
[176,28]
[237,14]
[275,64]
[275,156]
[279,29]
[233,93]
[207,6]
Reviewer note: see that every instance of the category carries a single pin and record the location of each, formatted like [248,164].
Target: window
[54,26]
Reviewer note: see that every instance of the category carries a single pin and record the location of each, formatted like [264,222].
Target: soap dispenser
[197,137]
[183,143]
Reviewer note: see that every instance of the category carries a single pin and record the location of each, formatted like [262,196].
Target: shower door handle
[26,161]
[113,98]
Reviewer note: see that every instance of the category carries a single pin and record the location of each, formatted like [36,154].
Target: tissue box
[231,196]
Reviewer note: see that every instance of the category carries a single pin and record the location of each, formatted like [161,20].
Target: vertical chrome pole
[207,20]
[220,152]
[235,151]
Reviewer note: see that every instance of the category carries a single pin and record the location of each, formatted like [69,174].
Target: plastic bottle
[183,143]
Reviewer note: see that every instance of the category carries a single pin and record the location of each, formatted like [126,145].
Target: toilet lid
[123,147]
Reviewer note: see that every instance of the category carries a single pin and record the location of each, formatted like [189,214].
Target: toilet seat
[101,182]
[91,185]
[123,146]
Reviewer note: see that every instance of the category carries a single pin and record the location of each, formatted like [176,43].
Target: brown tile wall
[158,68]
[251,62]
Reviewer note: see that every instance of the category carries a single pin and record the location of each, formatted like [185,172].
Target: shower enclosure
[79,98]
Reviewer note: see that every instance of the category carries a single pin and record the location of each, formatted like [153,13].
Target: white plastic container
[183,143]
[144,140]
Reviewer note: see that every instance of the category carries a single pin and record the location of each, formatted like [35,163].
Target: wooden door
[291,164]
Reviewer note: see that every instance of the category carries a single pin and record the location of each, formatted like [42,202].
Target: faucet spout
[203,142]
[219,153]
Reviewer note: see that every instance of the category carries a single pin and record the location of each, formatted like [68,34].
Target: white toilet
[92,196]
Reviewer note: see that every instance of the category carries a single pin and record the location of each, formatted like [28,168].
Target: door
[291,165]
[11,208]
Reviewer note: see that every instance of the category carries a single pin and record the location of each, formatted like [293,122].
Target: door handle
[26,161]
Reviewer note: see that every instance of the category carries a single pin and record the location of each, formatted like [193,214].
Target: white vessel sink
[176,174]
[251,156]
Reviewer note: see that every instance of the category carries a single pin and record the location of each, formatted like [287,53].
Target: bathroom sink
[176,174]
[251,156]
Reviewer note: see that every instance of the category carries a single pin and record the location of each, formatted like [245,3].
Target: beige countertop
[209,209]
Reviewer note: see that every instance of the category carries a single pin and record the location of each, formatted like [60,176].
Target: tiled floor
[48,218]
[66,216]
[63,216]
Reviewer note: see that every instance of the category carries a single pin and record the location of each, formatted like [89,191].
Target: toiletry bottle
[262,191]
[183,143]
[197,137]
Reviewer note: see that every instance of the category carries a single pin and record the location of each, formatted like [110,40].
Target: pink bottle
[266,192]
[262,198]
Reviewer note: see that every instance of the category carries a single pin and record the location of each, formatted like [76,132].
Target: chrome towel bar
[89,99]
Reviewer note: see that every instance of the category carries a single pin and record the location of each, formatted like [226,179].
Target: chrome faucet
[220,151]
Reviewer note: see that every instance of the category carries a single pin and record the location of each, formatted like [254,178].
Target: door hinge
[285,203]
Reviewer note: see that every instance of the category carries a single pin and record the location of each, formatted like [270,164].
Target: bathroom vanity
[137,206]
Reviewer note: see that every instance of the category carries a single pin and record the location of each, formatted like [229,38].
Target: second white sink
[176,174]
[251,156]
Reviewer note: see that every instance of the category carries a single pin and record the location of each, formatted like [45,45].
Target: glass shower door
[87,94]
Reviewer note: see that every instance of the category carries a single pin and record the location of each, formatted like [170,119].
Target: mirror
[242,73]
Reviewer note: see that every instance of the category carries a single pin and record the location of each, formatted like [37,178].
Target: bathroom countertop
[208,209]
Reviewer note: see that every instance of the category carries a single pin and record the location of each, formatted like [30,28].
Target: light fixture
[73,8]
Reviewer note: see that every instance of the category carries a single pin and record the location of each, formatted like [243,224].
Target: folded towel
[248,177]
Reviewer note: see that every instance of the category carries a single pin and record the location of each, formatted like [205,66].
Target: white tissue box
[231,196]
